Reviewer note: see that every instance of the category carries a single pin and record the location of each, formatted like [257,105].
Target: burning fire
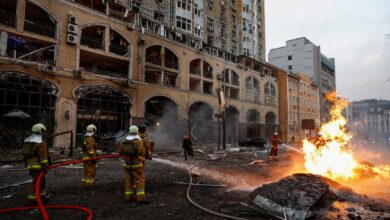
[330,154]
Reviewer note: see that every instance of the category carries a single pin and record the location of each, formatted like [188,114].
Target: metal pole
[223,129]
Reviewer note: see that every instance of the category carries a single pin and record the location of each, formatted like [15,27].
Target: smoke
[165,129]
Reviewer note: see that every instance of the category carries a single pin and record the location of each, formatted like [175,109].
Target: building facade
[302,56]
[299,107]
[70,63]
[370,119]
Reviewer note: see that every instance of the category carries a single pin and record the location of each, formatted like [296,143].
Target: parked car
[254,141]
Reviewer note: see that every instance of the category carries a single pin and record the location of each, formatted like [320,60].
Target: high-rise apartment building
[234,26]
[302,56]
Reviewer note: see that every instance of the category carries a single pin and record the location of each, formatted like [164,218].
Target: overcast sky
[351,31]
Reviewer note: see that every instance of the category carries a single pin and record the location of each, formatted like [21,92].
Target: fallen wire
[42,207]
[201,207]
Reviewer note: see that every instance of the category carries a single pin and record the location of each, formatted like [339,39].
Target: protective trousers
[89,174]
[34,175]
[273,153]
[134,182]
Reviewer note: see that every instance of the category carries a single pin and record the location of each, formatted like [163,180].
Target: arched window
[269,89]
[201,76]
[252,89]
[95,57]
[38,21]
[270,93]
[231,83]
[161,67]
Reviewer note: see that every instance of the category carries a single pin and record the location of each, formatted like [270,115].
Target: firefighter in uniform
[89,151]
[34,152]
[134,151]
[275,141]
[146,141]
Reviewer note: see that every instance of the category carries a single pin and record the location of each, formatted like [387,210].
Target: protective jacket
[36,161]
[134,151]
[89,151]
[147,145]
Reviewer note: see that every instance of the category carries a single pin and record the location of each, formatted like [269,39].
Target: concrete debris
[233,149]
[214,156]
[296,196]
[199,151]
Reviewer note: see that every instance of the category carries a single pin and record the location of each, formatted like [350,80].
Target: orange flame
[329,154]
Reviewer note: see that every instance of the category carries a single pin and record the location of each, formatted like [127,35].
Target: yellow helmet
[91,128]
[133,129]
[38,128]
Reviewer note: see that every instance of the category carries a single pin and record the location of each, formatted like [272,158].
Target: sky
[355,32]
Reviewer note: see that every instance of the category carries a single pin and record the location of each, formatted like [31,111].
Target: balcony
[7,18]
[92,43]
[269,100]
[118,49]
[39,28]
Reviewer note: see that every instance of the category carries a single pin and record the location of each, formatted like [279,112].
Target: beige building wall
[69,73]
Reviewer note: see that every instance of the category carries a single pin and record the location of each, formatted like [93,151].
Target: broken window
[118,44]
[195,85]
[93,37]
[231,84]
[270,124]
[232,122]
[105,107]
[93,4]
[24,101]
[162,66]
[253,123]
[270,93]
[203,82]
[8,13]
[29,49]
[39,21]
[103,65]
[201,122]
[252,89]
[162,115]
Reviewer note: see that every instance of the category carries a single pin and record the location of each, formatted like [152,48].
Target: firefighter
[134,151]
[275,141]
[89,151]
[146,141]
[34,150]
[187,146]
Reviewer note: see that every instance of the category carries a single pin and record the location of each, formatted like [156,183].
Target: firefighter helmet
[38,128]
[133,129]
[91,128]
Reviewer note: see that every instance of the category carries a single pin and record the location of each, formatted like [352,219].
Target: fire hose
[42,207]
[203,208]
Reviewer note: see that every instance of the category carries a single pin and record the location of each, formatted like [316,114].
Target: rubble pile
[295,197]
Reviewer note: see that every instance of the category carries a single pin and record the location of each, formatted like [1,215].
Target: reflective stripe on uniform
[34,167]
[86,157]
[32,197]
[134,165]
[140,192]
[44,161]
[129,193]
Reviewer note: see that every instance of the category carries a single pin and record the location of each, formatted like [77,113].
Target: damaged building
[68,63]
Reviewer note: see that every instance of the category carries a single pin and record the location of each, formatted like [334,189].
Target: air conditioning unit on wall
[219,76]
[72,39]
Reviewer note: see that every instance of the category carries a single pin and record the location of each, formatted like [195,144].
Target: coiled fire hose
[42,207]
